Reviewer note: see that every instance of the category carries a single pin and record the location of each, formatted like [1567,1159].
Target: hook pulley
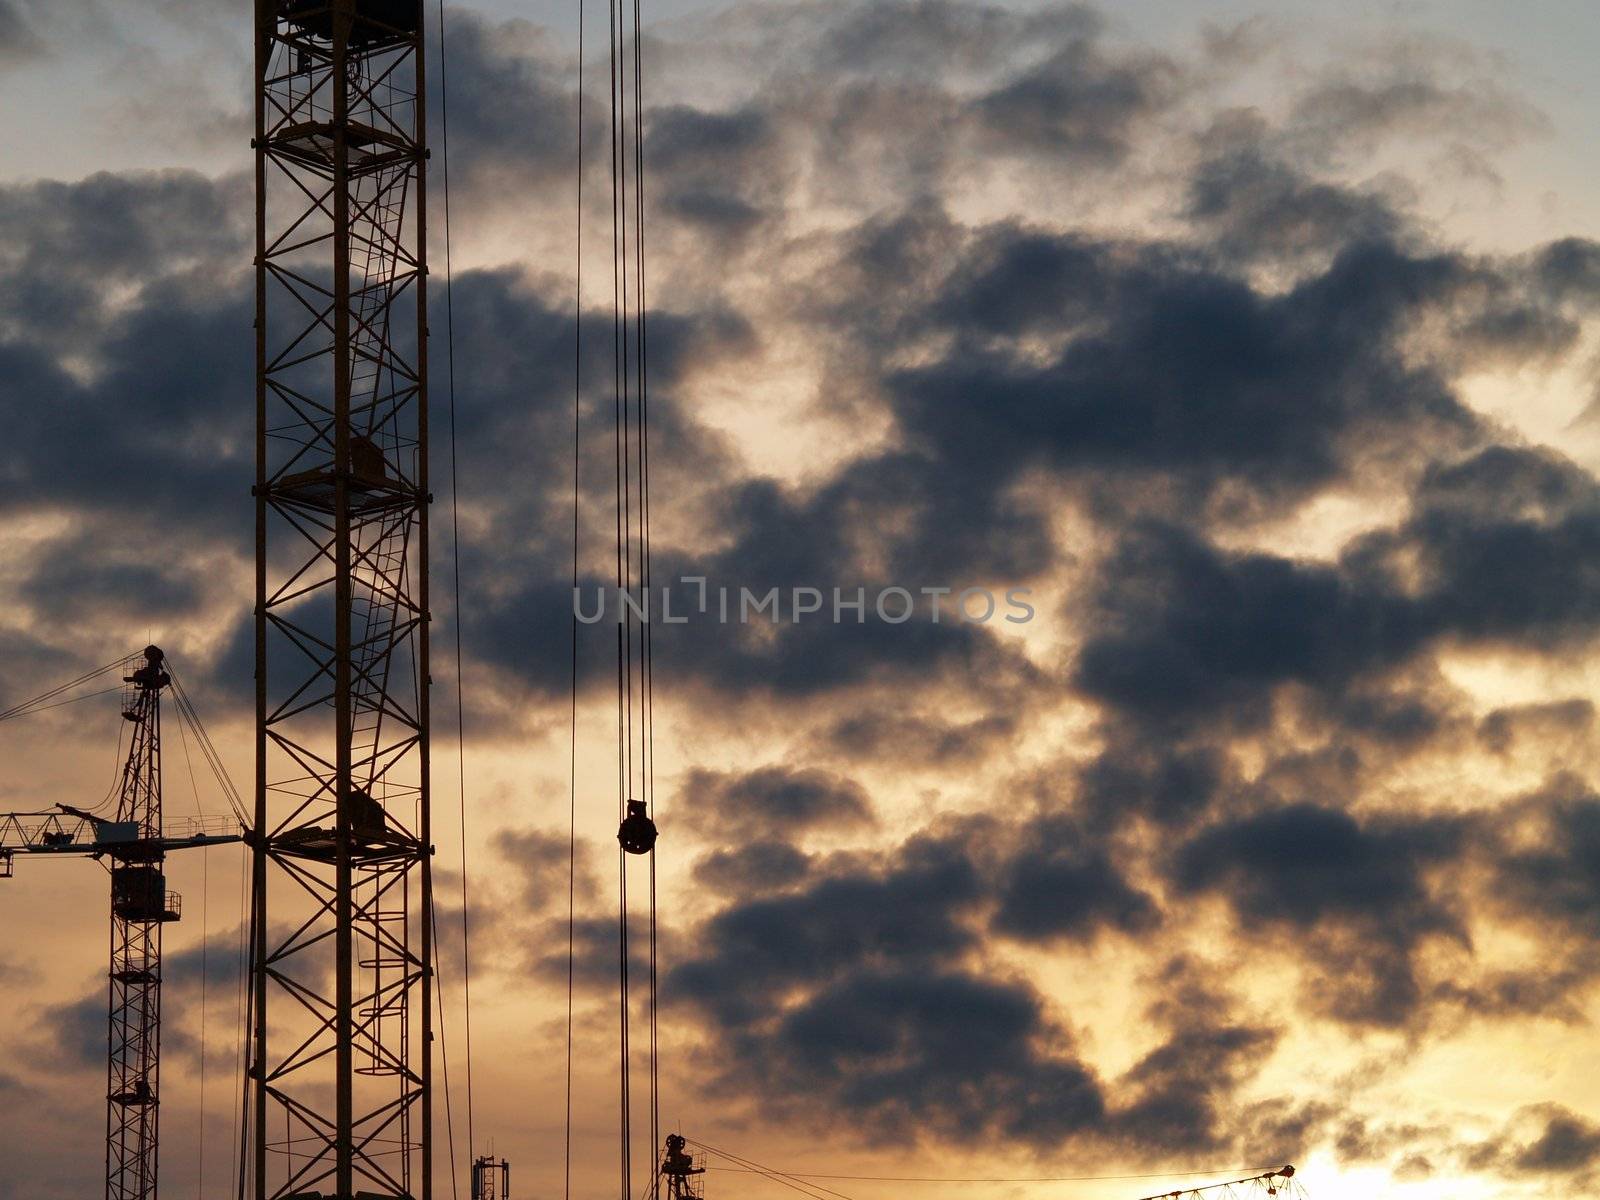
[637,833]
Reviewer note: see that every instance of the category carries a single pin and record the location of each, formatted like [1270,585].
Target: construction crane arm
[68,830]
[1279,1182]
[62,830]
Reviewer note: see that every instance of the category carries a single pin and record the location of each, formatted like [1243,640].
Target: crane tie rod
[39,703]
[1255,1174]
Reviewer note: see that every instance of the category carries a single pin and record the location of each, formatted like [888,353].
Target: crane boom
[1277,1182]
[68,830]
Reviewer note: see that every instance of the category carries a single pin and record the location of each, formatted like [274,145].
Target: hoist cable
[116,775]
[647,632]
[572,765]
[634,649]
[455,566]
[205,930]
[246,1089]
[240,1080]
[444,1060]
[624,536]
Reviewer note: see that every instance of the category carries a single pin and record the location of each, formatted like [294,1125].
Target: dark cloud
[1567,1143]
[17,38]
[1500,729]
[1355,897]
[510,87]
[753,868]
[72,1036]
[212,962]
[1180,1092]
[1492,552]
[1155,778]
[1062,884]
[1361,1139]
[908,910]
[1408,92]
[67,248]
[1499,540]
[915,741]
[1079,105]
[850,986]
[1299,864]
[596,953]
[1258,207]
[1569,269]
[724,171]
[1179,384]
[783,802]
[1547,859]
[847,998]
[1012,282]
[1189,632]
[81,580]
[941,1054]
[125,346]
[544,864]
[916,37]
[1545,1139]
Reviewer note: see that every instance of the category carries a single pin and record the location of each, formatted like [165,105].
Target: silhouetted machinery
[134,846]
[491,1178]
[370,20]
[678,1169]
[1278,1182]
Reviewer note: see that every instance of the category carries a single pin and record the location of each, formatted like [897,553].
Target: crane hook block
[637,833]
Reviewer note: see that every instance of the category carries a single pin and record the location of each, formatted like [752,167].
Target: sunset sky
[1259,341]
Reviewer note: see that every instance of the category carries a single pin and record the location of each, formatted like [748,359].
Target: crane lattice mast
[342,893]
[140,906]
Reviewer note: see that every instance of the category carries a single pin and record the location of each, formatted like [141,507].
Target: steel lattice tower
[341,985]
[140,906]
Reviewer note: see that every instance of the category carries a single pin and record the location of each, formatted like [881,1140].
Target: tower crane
[134,845]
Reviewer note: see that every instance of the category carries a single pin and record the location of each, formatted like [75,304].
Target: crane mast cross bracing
[342,894]
[140,907]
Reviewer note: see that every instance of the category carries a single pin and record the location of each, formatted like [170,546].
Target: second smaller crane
[135,846]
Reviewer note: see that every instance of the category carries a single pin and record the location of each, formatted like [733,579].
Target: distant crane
[136,847]
[491,1178]
[678,1169]
[1278,1182]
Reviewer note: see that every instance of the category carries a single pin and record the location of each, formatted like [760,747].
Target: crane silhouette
[134,845]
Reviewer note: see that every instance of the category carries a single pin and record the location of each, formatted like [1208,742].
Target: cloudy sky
[1258,340]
